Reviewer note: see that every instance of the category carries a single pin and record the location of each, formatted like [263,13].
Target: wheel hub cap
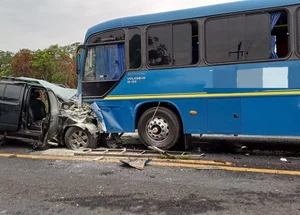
[79,139]
[158,129]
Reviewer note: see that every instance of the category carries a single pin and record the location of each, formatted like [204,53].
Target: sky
[37,24]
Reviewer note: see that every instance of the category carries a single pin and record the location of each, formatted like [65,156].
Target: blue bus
[231,68]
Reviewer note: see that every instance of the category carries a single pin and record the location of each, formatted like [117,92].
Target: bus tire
[159,127]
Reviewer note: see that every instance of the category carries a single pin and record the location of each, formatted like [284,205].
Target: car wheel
[77,138]
[159,127]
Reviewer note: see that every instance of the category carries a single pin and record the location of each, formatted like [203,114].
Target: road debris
[136,163]
[283,160]
[99,158]
[154,148]
[156,153]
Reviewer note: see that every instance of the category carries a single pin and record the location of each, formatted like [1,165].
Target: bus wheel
[159,127]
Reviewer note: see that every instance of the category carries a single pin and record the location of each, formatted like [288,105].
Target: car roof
[61,91]
[20,83]
[16,82]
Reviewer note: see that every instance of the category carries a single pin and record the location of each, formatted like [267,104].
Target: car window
[2,86]
[12,93]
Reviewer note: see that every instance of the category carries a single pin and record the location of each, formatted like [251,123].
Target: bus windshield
[104,62]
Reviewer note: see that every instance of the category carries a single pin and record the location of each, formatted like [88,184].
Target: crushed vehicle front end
[74,127]
[82,118]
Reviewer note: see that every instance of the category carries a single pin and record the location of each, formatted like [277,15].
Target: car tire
[159,127]
[77,138]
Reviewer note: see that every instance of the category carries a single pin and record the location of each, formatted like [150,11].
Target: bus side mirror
[78,58]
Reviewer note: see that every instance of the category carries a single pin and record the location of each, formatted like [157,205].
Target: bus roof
[224,8]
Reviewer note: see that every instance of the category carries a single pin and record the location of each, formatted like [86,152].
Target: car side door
[11,100]
[53,120]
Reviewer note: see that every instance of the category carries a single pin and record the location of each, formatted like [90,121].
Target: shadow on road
[247,145]
[205,144]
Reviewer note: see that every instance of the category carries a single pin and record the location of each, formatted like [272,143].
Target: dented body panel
[116,116]
[83,118]
[64,113]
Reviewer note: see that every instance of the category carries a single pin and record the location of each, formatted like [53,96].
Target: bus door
[104,66]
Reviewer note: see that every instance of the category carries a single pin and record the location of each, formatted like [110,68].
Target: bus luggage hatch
[224,116]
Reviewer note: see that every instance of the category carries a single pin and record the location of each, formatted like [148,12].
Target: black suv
[32,109]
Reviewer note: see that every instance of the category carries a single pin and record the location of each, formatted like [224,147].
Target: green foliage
[48,62]
[71,50]
[54,64]
[5,63]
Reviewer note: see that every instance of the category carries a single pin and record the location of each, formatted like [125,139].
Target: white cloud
[37,24]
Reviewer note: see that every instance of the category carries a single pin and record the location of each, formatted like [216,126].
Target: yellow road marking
[255,170]
[206,162]
[113,159]
[156,162]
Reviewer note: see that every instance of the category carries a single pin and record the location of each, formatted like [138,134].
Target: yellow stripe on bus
[202,95]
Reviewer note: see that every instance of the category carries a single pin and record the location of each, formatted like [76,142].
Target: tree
[71,50]
[67,74]
[55,64]
[21,64]
[5,63]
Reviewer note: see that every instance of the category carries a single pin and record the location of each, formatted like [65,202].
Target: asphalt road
[74,187]
[56,186]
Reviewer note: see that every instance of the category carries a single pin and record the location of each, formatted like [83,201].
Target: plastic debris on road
[136,163]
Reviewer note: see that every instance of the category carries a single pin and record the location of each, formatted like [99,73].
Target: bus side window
[279,34]
[298,30]
[238,38]
[159,45]
[182,43]
[173,44]
[135,53]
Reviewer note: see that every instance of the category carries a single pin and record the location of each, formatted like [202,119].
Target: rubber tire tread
[174,124]
[92,142]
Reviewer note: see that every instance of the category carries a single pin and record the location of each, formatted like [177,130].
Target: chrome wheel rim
[157,129]
[79,139]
